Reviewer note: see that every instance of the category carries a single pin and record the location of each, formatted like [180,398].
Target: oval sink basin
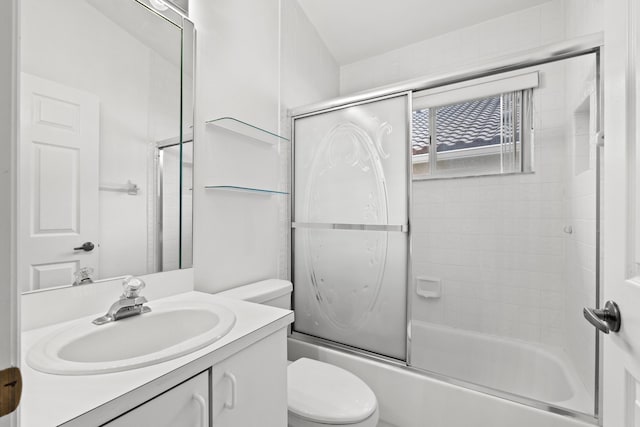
[165,333]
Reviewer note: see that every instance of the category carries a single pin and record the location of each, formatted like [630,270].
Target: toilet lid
[327,394]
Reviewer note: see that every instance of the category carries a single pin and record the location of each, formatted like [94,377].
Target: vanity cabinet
[250,387]
[185,405]
[239,380]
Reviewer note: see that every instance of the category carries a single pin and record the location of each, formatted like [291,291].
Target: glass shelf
[245,189]
[245,129]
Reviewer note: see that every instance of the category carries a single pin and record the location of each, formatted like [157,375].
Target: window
[481,136]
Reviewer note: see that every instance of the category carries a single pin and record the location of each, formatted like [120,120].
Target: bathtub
[408,397]
[537,372]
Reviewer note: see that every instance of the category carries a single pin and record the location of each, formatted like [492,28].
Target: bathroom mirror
[105,153]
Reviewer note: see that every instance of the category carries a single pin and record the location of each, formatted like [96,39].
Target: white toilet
[319,394]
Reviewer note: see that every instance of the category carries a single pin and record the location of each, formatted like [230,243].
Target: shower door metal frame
[591,44]
[375,227]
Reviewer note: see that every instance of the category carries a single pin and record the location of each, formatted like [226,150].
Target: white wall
[139,96]
[237,75]
[9,309]
[237,62]
[465,48]
[308,74]
[255,60]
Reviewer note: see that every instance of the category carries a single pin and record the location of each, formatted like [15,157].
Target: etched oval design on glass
[347,185]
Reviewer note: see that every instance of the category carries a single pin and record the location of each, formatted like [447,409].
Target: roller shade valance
[479,88]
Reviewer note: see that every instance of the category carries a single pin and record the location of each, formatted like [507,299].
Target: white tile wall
[497,242]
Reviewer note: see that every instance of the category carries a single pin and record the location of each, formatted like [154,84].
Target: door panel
[49,275]
[55,179]
[59,177]
[56,112]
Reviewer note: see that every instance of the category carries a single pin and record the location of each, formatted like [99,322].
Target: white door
[58,183]
[621,350]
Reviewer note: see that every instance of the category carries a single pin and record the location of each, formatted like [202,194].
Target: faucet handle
[82,276]
[132,286]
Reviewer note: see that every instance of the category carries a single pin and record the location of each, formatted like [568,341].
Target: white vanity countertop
[51,400]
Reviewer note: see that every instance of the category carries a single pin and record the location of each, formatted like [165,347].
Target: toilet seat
[324,394]
[295,421]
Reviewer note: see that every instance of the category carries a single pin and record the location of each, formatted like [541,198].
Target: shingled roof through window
[469,124]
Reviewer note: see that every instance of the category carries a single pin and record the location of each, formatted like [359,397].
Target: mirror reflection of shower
[174,183]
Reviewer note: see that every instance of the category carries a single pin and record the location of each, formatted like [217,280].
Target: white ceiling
[357,29]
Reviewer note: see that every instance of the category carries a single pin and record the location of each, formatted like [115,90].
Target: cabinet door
[186,405]
[250,387]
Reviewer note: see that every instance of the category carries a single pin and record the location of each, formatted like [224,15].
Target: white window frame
[466,91]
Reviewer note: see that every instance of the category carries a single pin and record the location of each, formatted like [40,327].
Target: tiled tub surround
[497,242]
[512,250]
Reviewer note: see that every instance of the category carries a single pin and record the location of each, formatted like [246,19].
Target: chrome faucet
[83,276]
[129,304]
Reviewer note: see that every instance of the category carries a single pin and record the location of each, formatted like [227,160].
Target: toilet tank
[273,292]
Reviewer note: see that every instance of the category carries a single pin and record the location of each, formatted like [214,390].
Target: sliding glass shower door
[350,224]
[504,259]
[504,209]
